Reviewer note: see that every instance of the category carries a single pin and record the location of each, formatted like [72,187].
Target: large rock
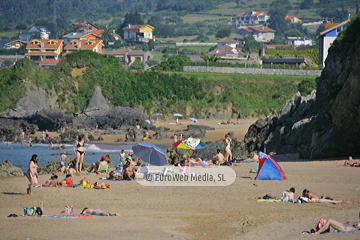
[325,126]
[113,118]
[97,102]
[133,135]
[50,119]
[8,170]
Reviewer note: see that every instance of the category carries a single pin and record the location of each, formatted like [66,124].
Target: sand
[230,212]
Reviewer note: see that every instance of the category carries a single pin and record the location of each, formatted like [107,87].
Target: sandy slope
[188,212]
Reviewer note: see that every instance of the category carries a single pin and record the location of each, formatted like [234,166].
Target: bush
[305,87]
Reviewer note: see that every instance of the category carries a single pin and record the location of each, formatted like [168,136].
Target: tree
[251,43]
[107,36]
[21,26]
[202,38]
[137,65]
[305,87]
[307,4]
[278,10]
[212,58]
[293,33]
[133,18]
[156,20]
[36,35]
[151,45]
[223,32]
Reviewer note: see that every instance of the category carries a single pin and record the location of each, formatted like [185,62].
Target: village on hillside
[47,52]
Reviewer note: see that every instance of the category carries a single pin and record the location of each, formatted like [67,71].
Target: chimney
[79,45]
[262,27]
[42,46]
[129,26]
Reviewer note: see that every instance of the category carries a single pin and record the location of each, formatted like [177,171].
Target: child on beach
[67,182]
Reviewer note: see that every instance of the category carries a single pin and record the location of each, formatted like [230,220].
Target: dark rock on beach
[8,170]
[326,126]
[133,135]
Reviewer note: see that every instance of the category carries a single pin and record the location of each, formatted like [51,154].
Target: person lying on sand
[288,196]
[351,163]
[314,198]
[52,182]
[342,227]
[115,175]
[90,211]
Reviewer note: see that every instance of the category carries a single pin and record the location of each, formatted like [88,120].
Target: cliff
[325,125]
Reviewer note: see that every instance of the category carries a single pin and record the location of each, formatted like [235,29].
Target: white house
[44,33]
[260,34]
[226,41]
[251,17]
[298,41]
[327,37]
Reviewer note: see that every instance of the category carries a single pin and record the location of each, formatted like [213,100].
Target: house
[127,56]
[86,27]
[142,33]
[226,41]
[300,62]
[94,45]
[44,33]
[293,19]
[227,51]
[46,63]
[78,36]
[327,37]
[298,41]
[40,49]
[251,17]
[260,34]
[11,44]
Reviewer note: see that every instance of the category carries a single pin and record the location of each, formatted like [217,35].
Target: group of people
[127,167]
[54,181]
[308,197]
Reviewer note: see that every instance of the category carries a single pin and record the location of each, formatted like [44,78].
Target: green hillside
[74,79]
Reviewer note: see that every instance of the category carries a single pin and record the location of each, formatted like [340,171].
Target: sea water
[20,155]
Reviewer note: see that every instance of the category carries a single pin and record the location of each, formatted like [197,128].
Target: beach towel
[269,200]
[348,166]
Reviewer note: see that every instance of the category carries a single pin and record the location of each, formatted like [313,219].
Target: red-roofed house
[142,33]
[251,17]
[46,63]
[226,41]
[94,45]
[260,34]
[293,19]
[40,49]
[78,36]
[86,27]
[227,51]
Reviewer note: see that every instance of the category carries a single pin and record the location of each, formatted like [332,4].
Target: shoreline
[230,212]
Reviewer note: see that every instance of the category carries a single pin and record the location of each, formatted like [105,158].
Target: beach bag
[29,211]
[320,224]
[69,209]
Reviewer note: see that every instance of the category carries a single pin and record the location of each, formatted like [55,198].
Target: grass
[249,92]
[11,34]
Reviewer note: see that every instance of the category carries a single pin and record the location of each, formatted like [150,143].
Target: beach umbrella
[150,153]
[177,115]
[190,143]
[193,119]
[157,115]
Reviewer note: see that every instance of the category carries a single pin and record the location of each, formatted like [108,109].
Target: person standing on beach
[32,173]
[228,154]
[79,153]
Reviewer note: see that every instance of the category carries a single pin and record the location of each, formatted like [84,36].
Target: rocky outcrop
[283,134]
[133,135]
[8,170]
[11,130]
[327,126]
[96,102]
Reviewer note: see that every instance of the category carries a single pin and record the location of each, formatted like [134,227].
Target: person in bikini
[228,154]
[314,198]
[288,196]
[79,153]
[342,227]
[99,212]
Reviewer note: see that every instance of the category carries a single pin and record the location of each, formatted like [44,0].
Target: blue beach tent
[269,169]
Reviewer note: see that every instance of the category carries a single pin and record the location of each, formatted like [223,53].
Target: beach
[231,212]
